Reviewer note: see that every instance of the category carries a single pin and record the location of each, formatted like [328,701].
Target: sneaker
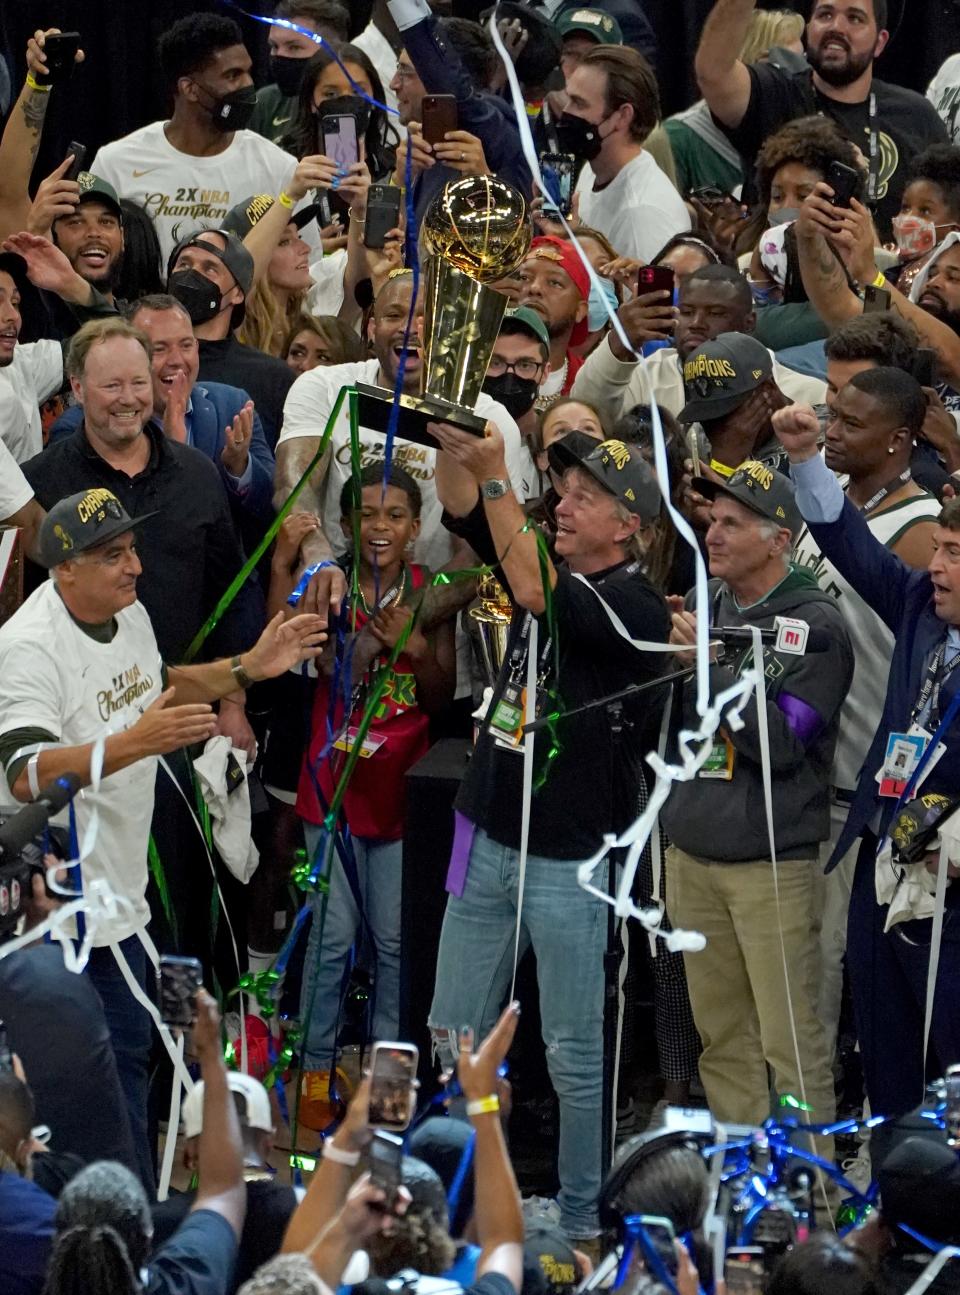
[858,1170]
[318,1107]
[541,1209]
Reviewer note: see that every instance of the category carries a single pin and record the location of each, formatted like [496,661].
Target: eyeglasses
[523,368]
[406,72]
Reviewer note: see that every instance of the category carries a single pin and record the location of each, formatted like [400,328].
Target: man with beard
[888,123]
[712,300]
[553,283]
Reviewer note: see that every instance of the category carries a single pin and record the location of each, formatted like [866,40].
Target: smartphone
[386,1164]
[59,53]
[844,181]
[693,446]
[340,142]
[439,116]
[660,1234]
[178,980]
[558,170]
[79,154]
[711,196]
[656,278]
[393,1074]
[383,213]
[875,300]
[925,366]
[951,1117]
[743,1270]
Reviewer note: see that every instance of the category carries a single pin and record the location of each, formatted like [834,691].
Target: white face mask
[915,235]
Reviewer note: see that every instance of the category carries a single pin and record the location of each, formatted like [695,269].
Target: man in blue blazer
[889,961]
[215,419]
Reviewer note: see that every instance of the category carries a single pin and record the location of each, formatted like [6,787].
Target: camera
[24,839]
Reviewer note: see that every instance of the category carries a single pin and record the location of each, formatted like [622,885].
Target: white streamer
[530,714]
[936,935]
[173,1123]
[933,1270]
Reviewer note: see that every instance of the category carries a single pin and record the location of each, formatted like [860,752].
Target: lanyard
[937,674]
[885,491]
[519,655]
[931,747]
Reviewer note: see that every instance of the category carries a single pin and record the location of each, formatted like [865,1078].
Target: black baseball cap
[241,218]
[758,487]
[12,263]
[549,1262]
[93,188]
[920,1188]
[619,468]
[81,522]
[719,375]
[235,257]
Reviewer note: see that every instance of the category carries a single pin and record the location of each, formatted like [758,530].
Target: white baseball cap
[257,1113]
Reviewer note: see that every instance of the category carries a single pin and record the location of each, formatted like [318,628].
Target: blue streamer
[306,577]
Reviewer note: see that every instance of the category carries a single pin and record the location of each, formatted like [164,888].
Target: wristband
[238,672]
[340,1157]
[721,468]
[484,1105]
[284,199]
[34,84]
[879,282]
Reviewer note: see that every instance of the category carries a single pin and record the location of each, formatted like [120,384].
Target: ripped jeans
[567,929]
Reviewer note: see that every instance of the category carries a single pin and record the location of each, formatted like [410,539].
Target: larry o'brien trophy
[475,232]
[489,626]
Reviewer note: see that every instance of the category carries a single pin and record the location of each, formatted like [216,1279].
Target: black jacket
[266,378]
[190,550]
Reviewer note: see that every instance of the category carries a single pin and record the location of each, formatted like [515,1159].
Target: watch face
[494,489]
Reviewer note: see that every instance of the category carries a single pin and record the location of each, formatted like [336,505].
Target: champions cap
[92,188]
[256,1104]
[81,522]
[621,469]
[719,375]
[549,1262]
[241,219]
[768,493]
[604,29]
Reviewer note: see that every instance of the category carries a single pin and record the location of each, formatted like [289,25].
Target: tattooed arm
[21,140]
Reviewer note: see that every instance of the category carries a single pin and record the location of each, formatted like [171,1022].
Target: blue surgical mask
[597,304]
[785,216]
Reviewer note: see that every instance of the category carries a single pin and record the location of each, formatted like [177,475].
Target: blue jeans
[130,1035]
[568,931]
[380,873]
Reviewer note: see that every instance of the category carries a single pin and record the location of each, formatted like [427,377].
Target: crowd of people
[690,552]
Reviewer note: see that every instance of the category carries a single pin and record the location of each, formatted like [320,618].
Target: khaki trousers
[737,987]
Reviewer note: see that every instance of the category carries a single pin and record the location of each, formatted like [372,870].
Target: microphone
[19,830]
[792,637]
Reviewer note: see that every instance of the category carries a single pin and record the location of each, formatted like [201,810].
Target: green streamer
[163,890]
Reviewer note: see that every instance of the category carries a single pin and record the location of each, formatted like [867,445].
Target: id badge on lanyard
[508,717]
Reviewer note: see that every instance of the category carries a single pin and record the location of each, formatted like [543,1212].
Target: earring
[889,449]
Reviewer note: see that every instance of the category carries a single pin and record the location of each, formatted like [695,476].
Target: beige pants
[737,988]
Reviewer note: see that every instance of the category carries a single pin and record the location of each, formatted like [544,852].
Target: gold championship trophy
[475,231]
[490,625]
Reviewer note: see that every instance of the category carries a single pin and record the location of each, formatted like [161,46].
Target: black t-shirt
[266,378]
[906,123]
[592,785]
[269,1206]
[197,1260]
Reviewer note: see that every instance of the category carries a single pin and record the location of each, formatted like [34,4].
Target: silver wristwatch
[495,488]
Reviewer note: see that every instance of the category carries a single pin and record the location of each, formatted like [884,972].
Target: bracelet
[340,1157]
[284,199]
[484,1105]
[238,672]
[721,468]
[360,220]
[33,84]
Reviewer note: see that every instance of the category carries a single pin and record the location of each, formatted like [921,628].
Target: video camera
[24,839]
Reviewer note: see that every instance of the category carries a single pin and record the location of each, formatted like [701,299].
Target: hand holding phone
[844,181]
[59,53]
[439,114]
[383,214]
[340,140]
[656,278]
[79,154]
[557,170]
[744,1270]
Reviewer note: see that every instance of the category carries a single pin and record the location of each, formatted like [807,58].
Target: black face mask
[515,394]
[579,137]
[198,295]
[347,105]
[288,73]
[232,111]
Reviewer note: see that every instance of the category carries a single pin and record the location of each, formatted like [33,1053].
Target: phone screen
[557,171]
[340,140]
[393,1073]
[178,981]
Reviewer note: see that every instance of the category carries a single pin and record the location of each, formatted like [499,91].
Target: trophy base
[374,405]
